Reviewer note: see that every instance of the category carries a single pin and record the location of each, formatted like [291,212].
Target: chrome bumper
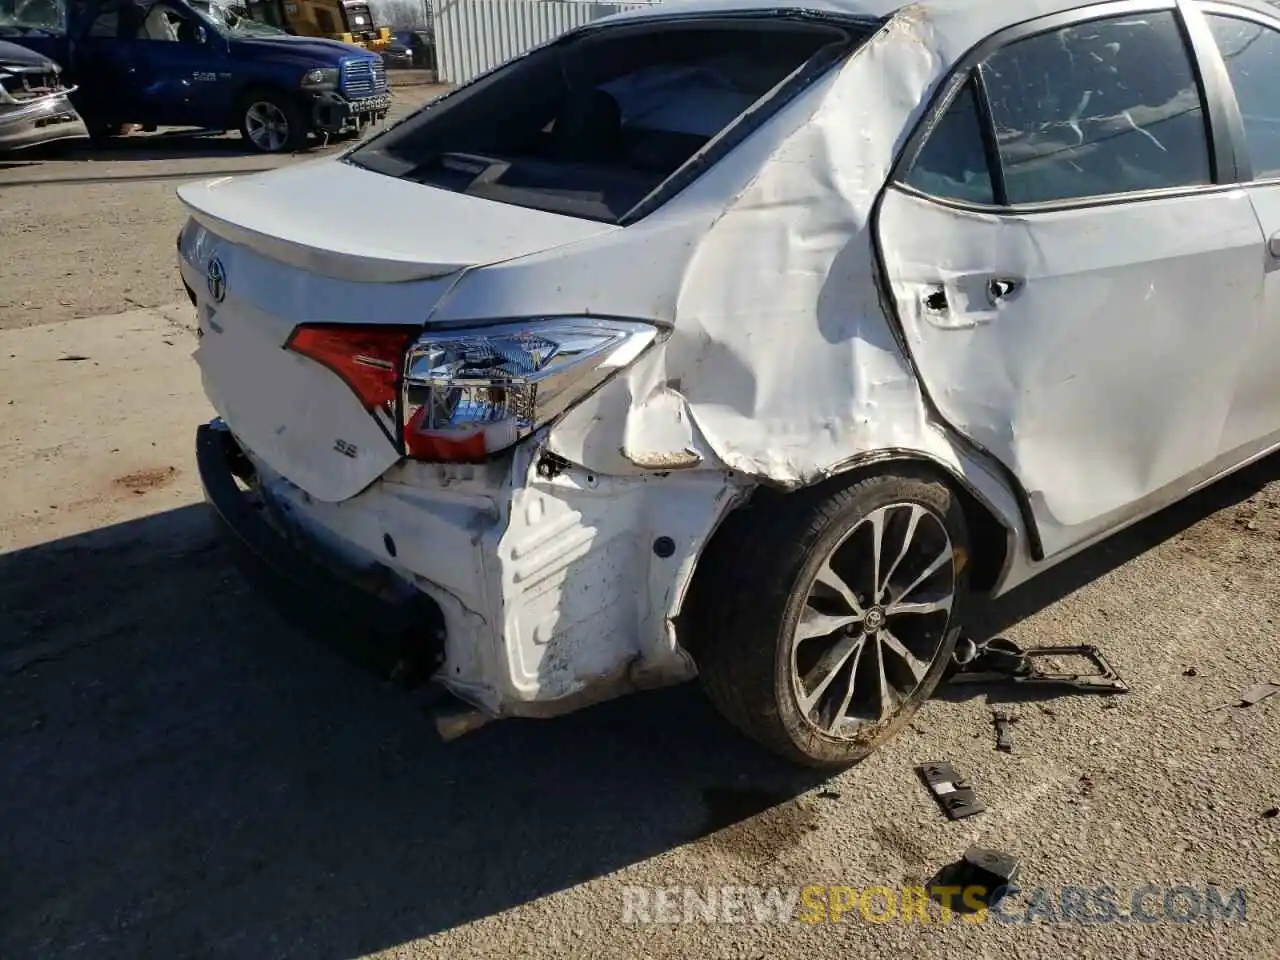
[40,121]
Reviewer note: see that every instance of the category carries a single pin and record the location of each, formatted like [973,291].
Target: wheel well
[988,537]
[255,89]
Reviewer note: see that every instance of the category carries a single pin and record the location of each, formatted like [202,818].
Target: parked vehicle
[397,56]
[411,48]
[761,339]
[34,103]
[167,63]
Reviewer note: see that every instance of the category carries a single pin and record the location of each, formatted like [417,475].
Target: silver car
[749,340]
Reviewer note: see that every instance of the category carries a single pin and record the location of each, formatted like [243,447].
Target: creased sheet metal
[792,365]
[780,362]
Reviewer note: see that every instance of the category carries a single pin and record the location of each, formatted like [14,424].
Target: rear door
[1249,44]
[1078,295]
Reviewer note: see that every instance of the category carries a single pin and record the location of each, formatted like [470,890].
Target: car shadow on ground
[189,775]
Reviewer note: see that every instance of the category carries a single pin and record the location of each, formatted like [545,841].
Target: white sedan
[744,340]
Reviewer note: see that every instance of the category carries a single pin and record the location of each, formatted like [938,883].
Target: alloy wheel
[267,126]
[874,620]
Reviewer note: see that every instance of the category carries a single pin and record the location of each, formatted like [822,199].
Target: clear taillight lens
[470,393]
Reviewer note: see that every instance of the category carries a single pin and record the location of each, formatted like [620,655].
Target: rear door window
[1110,106]
[953,161]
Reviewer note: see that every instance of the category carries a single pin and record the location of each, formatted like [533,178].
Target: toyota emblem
[217,280]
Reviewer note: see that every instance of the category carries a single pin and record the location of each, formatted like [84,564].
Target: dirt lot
[186,775]
[93,228]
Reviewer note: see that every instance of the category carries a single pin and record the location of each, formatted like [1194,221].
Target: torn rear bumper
[43,120]
[557,587]
[377,627]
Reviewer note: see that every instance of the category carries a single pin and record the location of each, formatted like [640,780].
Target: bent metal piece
[1002,660]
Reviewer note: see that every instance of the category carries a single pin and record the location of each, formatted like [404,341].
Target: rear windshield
[610,116]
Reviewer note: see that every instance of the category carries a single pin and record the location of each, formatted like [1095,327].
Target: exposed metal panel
[474,36]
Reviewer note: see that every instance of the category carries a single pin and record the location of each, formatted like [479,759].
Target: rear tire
[799,564]
[271,122]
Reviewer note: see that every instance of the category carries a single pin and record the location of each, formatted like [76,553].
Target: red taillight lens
[448,446]
[367,357]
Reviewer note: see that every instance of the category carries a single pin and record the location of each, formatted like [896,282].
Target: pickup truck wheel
[828,617]
[272,123]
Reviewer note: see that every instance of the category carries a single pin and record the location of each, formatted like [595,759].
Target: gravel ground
[189,776]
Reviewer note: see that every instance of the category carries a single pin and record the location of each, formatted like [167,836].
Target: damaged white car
[750,341]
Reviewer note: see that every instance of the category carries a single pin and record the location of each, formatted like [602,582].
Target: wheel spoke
[829,578]
[815,624]
[908,536]
[827,668]
[877,544]
[887,641]
[921,607]
[934,567]
[843,709]
[888,699]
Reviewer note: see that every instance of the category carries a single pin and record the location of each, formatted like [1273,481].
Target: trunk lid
[328,242]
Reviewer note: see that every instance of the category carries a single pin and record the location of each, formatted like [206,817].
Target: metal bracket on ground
[1002,661]
[952,791]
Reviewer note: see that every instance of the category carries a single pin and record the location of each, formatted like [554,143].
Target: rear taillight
[368,358]
[471,393]
[466,394]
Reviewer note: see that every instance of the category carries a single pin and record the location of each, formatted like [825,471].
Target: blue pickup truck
[175,63]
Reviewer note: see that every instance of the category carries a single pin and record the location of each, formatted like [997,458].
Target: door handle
[1002,288]
[1273,245]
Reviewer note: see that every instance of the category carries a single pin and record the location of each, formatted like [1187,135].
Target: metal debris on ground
[1001,660]
[1003,723]
[988,874]
[990,868]
[1252,696]
[1257,693]
[950,790]
[826,793]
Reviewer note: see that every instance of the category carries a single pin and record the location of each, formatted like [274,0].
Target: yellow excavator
[350,21]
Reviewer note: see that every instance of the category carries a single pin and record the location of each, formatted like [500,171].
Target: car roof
[998,12]
[949,27]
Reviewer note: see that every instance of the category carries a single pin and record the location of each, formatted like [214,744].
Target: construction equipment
[350,21]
